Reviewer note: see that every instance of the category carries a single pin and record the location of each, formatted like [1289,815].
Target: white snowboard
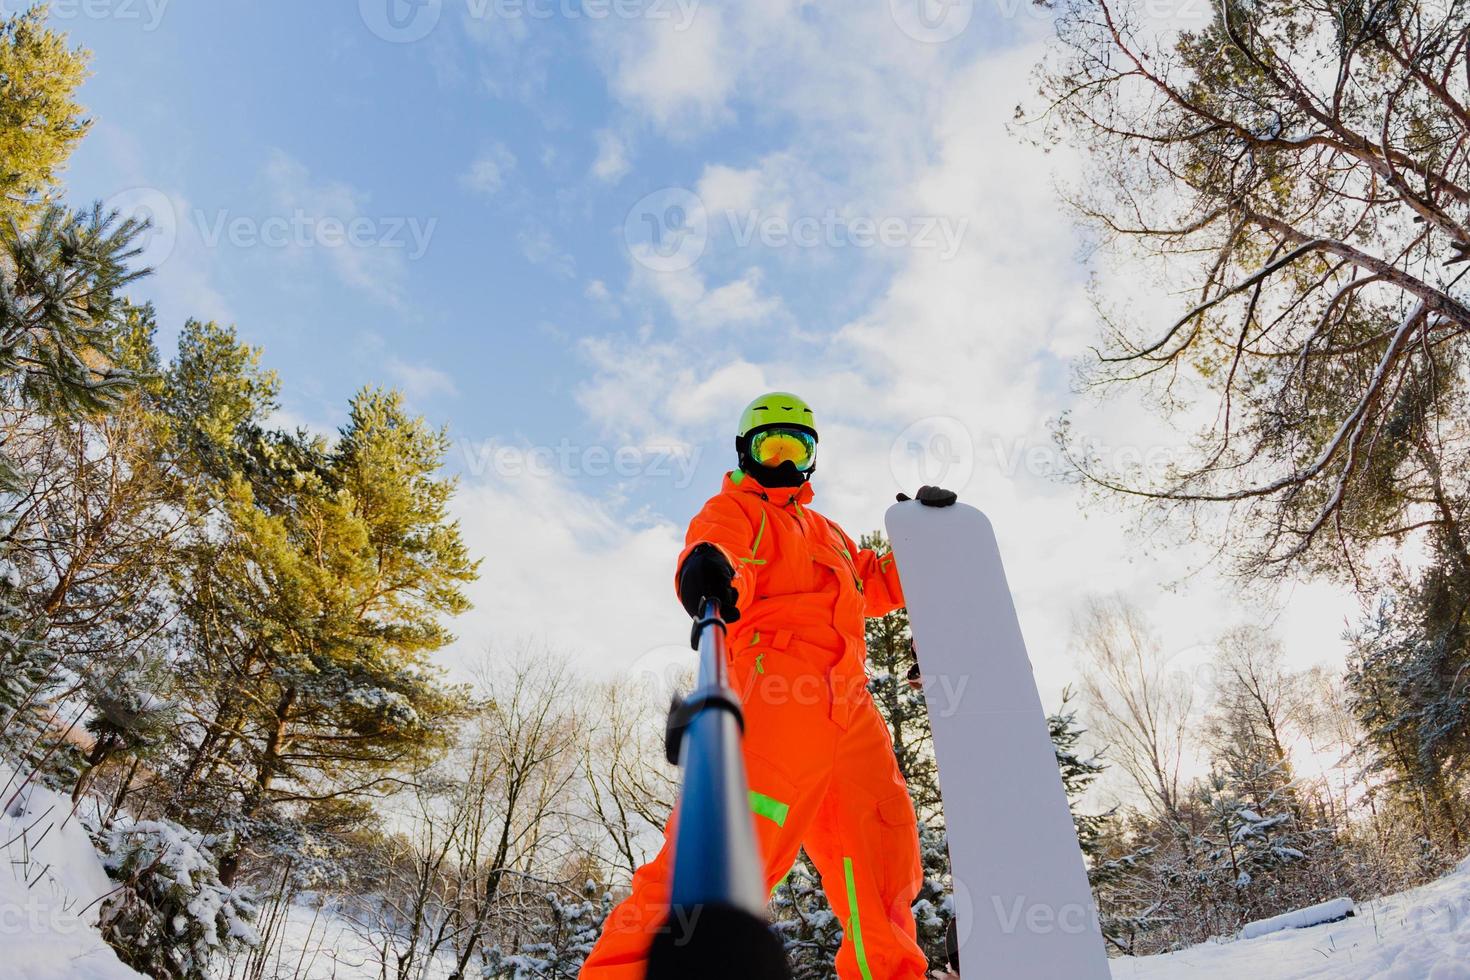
[1023,907]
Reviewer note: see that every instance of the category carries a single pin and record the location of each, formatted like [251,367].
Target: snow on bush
[558,943]
[51,887]
[170,914]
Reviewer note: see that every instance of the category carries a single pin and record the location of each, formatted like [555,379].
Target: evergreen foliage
[40,120]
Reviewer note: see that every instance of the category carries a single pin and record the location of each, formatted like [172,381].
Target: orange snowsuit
[818,756]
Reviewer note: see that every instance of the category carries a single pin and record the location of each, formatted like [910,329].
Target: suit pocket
[903,869]
[896,811]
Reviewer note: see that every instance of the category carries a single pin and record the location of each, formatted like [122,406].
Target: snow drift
[51,890]
[1338,908]
[1422,934]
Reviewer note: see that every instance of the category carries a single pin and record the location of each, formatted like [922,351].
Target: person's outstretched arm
[721,552]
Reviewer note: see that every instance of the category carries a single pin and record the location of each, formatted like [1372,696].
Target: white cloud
[599,294]
[679,77]
[880,125]
[419,381]
[986,337]
[487,174]
[289,419]
[563,568]
[710,403]
[612,157]
[631,384]
[850,75]
[308,213]
[511,66]
[723,189]
[696,305]
[539,247]
[181,285]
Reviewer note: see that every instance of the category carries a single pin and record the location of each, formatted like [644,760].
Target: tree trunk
[265,772]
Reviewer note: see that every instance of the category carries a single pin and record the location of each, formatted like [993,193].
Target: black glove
[707,574]
[932,497]
[916,674]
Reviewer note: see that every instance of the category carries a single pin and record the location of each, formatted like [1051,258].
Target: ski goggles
[776,445]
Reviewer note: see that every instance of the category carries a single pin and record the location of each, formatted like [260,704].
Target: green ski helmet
[777,440]
[776,408]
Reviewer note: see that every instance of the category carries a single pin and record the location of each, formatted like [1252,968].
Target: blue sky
[485,136]
[585,241]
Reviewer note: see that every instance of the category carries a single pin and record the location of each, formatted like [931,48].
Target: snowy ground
[52,880]
[1422,934]
[315,944]
[50,889]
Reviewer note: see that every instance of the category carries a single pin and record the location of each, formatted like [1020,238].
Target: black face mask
[785,475]
[771,477]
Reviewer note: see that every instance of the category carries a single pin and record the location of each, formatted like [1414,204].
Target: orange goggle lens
[773,447]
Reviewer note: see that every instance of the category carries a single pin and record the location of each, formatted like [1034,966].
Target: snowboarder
[795,590]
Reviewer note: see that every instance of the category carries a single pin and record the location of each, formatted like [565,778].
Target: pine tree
[336,601]
[1243,844]
[31,673]
[1406,678]
[61,312]
[133,714]
[61,315]
[1078,775]
[809,930]
[933,907]
[561,937]
[40,120]
[171,913]
[312,604]
[1097,833]
[892,667]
